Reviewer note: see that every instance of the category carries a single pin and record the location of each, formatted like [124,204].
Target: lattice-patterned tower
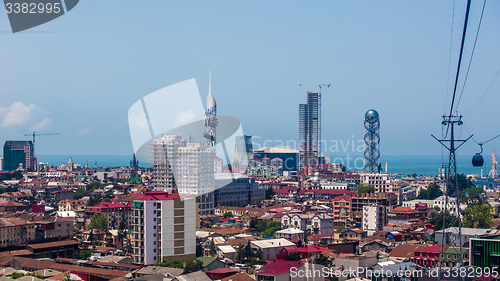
[210,118]
[372,141]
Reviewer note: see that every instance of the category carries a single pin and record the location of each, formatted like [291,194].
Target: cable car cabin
[477,160]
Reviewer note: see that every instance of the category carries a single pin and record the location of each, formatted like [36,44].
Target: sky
[79,74]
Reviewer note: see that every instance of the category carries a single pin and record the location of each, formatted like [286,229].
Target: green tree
[293,256]
[86,253]
[212,250]
[366,189]
[478,216]
[16,275]
[227,215]
[321,259]
[407,236]
[270,193]
[93,200]
[473,196]
[463,184]
[106,199]
[433,191]
[98,221]
[436,219]
[259,255]
[79,193]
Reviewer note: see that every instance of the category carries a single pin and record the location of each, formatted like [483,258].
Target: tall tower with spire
[210,117]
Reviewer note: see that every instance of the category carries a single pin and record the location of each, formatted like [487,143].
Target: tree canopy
[366,189]
[98,221]
[227,215]
[478,216]
[436,219]
[433,191]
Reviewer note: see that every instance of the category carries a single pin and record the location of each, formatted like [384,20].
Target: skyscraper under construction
[309,130]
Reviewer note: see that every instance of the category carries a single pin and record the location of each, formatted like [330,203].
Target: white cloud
[184,117]
[139,121]
[21,116]
[42,125]
[83,132]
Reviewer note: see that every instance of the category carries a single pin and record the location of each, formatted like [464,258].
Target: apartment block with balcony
[164,226]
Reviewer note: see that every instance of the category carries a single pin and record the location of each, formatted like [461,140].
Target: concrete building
[164,226]
[218,163]
[383,183]
[309,126]
[289,156]
[238,192]
[270,248]
[114,212]
[185,167]
[19,154]
[314,223]
[69,205]
[374,217]
[290,233]
[452,238]
[276,167]
[14,232]
[379,199]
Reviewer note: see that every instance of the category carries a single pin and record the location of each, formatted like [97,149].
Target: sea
[421,165]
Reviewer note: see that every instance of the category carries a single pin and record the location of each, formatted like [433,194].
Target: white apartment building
[373,217]
[186,167]
[164,226]
[383,183]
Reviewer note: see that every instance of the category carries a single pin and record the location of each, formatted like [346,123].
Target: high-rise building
[165,152]
[218,163]
[19,153]
[309,130]
[244,151]
[276,167]
[372,141]
[210,117]
[185,167]
[164,226]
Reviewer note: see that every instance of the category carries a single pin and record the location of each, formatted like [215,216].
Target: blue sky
[78,75]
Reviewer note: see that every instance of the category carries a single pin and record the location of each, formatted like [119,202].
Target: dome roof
[372,113]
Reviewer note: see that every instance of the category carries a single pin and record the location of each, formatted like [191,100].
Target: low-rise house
[427,257]
[270,248]
[114,212]
[13,206]
[54,227]
[281,270]
[290,233]
[451,256]
[226,252]
[210,263]
[352,263]
[315,223]
[452,237]
[405,251]
[71,205]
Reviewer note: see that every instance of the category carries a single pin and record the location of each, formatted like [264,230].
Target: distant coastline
[426,165]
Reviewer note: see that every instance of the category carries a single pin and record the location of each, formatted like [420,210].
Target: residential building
[164,226]
[218,162]
[315,223]
[54,228]
[383,183]
[427,257]
[341,209]
[271,247]
[69,205]
[451,256]
[276,167]
[14,231]
[485,252]
[404,216]
[374,217]
[309,126]
[452,237]
[289,156]
[380,199]
[19,154]
[290,233]
[114,212]
[187,168]
[238,192]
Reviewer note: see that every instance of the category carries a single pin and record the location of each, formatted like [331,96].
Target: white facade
[218,165]
[373,217]
[186,167]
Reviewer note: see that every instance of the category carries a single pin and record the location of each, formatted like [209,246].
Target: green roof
[206,261]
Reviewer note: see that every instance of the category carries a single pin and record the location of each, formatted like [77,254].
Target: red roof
[279,266]
[342,197]
[326,191]
[431,249]
[158,195]
[311,249]
[222,270]
[230,219]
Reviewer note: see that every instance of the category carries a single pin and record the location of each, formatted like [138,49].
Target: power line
[498,72]
[449,58]
[472,54]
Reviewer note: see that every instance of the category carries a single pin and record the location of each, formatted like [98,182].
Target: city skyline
[377,55]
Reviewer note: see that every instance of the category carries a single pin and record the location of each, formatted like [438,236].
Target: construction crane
[35,135]
[319,110]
